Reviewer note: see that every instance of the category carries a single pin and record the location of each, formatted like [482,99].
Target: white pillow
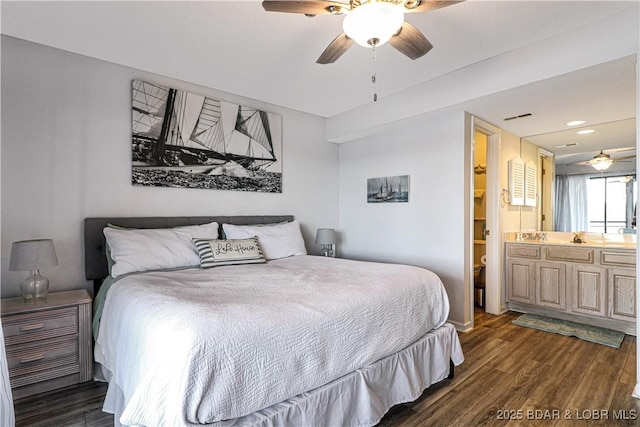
[157,248]
[277,241]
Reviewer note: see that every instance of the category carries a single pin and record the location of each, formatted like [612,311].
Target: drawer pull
[33,358]
[33,327]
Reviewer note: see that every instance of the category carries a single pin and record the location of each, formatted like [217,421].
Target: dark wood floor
[75,406]
[511,376]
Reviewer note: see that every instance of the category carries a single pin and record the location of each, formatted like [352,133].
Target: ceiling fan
[602,161]
[370,23]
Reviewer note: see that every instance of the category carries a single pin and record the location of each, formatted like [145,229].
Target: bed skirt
[360,398]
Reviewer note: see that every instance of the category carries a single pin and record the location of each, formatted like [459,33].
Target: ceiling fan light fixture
[373,23]
[601,162]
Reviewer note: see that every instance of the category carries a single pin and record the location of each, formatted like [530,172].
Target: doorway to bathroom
[479,217]
[485,281]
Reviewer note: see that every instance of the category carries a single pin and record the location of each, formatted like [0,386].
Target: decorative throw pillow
[215,252]
[277,241]
[155,248]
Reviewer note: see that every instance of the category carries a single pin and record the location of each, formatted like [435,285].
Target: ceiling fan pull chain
[373,76]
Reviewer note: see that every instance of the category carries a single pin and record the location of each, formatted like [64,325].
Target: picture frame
[389,189]
[186,140]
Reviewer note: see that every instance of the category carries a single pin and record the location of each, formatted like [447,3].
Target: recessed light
[576,123]
[585,131]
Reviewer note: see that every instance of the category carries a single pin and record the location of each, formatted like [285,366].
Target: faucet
[579,237]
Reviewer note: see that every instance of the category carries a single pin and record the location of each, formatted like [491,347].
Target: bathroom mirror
[535,121]
[567,152]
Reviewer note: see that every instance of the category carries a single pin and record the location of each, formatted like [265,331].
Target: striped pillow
[215,252]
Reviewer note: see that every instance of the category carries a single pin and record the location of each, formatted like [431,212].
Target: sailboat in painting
[186,133]
[385,192]
[388,189]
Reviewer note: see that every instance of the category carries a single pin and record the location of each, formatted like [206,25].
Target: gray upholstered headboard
[95,261]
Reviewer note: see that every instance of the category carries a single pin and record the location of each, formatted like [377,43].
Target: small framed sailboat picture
[390,189]
[185,140]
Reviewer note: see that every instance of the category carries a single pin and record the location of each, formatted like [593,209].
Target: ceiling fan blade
[617,159]
[308,7]
[410,41]
[412,6]
[584,163]
[336,48]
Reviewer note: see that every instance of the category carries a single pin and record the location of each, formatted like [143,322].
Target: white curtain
[571,203]
[7,415]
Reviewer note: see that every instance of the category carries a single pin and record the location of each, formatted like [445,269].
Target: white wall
[428,231]
[66,155]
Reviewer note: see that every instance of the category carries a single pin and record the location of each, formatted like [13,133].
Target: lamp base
[327,250]
[35,287]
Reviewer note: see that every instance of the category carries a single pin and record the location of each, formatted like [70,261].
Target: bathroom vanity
[592,283]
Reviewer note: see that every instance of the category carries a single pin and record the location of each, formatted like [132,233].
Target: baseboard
[461,327]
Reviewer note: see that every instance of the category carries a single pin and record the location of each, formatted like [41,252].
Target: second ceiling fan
[370,23]
[603,161]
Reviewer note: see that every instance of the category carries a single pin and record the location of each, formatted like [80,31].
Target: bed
[296,340]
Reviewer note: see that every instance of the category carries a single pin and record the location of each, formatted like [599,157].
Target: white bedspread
[199,346]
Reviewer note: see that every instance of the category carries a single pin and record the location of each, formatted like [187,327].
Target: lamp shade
[27,255]
[602,164]
[325,236]
[373,23]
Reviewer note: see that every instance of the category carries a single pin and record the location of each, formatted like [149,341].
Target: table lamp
[32,255]
[327,238]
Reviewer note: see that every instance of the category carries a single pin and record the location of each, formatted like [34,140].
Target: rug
[564,327]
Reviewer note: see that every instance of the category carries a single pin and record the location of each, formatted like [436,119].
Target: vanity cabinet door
[520,280]
[622,294]
[589,290]
[551,285]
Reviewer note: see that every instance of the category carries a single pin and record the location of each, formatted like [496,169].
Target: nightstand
[48,343]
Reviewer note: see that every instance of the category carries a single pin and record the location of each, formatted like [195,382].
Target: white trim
[461,327]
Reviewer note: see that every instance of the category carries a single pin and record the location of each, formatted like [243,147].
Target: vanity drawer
[564,253]
[27,327]
[523,251]
[618,258]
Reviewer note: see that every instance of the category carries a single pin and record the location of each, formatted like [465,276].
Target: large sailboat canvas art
[185,140]
[389,189]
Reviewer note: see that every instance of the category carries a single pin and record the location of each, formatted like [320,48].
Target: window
[610,203]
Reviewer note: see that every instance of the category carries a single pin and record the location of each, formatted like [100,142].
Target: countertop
[593,240]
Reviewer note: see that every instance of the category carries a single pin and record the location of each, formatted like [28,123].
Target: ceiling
[237,47]
[604,96]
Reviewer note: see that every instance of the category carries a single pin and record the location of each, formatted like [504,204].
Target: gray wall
[66,155]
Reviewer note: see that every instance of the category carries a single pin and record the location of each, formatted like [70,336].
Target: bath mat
[564,327]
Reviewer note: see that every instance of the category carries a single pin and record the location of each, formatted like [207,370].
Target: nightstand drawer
[28,327]
[25,359]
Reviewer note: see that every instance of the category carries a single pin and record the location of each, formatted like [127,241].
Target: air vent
[518,117]
[571,144]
